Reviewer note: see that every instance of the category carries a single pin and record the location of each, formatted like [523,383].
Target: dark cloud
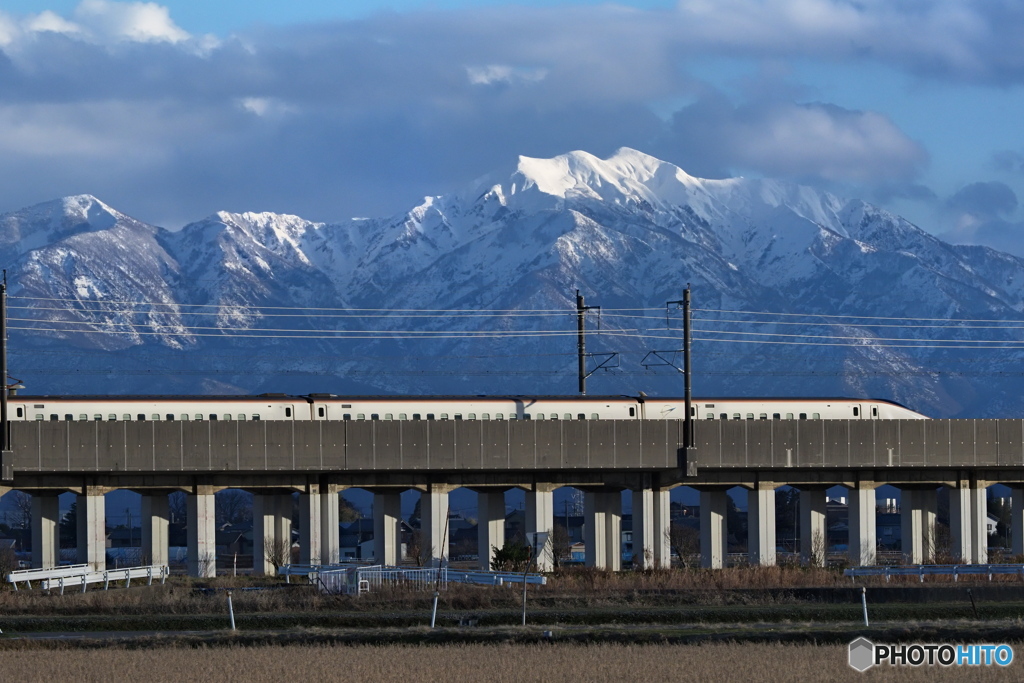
[984,199]
[1008,161]
[819,142]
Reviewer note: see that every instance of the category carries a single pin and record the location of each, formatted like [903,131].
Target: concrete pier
[490,525]
[813,526]
[45,530]
[863,535]
[603,529]
[92,528]
[651,522]
[330,525]
[387,527]
[761,524]
[714,530]
[202,538]
[310,543]
[156,518]
[540,517]
[968,521]
[435,536]
[917,524]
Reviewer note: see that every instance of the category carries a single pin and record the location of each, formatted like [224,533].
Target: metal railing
[356,579]
[954,570]
[83,575]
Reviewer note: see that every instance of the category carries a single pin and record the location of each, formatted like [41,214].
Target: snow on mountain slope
[628,231]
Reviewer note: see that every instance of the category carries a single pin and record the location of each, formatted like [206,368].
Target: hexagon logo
[862,654]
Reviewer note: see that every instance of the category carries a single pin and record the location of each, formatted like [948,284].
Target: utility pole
[688,440]
[5,428]
[581,345]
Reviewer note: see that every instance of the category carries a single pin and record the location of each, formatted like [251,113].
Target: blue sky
[171,111]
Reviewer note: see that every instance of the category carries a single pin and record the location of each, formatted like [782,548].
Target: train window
[140,417]
[374,416]
[764,416]
[97,418]
[776,416]
[513,416]
[69,418]
[184,417]
[458,416]
[750,416]
[567,416]
[526,416]
[389,416]
[170,417]
[581,416]
[485,416]
[155,417]
[856,411]
[803,416]
[554,416]
[83,416]
[256,417]
[346,416]
[632,411]
[213,416]
[595,416]
[39,416]
[874,411]
[360,416]
[815,416]
[789,416]
[443,416]
[320,411]
[54,417]
[724,416]
[430,416]
[416,416]
[199,417]
[126,417]
[735,416]
[711,416]
[346,405]
[693,411]
[21,412]
[403,416]
[471,416]
[241,416]
[113,418]
[288,411]
[227,416]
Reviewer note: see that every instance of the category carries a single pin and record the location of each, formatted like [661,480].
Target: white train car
[330,407]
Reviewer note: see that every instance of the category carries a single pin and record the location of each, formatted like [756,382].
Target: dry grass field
[493,663]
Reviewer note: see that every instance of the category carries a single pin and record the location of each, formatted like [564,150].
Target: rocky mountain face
[796,292]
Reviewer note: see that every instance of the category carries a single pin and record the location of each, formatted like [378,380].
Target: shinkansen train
[331,407]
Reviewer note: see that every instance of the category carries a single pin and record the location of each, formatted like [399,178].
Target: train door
[321,411]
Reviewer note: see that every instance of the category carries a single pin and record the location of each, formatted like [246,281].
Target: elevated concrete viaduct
[317,459]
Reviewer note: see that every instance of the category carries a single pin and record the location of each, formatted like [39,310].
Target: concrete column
[387,527]
[202,537]
[594,534]
[714,532]
[1017,519]
[813,526]
[330,525]
[613,530]
[92,529]
[862,522]
[968,517]
[283,525]
[309,526]
[540,517]
[263,512]
[979,517]
[491,524]
[917,524]
[644,535]
[761,524]
[45,530]
[435,535]
[156,517]
[662,528]
[651,523]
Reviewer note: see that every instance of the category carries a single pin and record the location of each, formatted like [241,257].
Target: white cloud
[52,22]
[142,22]
[266,107]
[499,73]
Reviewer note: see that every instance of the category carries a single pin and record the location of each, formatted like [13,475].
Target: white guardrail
[82,575]
[954,570]
[355,578]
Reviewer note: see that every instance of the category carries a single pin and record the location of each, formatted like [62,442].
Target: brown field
[495,663]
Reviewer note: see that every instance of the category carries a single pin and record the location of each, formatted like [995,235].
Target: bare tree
[23,509]
[277,551]
[817,556]
[177,506]
[233,506]
[685,542]
[561,545]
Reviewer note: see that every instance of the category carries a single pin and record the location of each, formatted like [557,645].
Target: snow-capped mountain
[102,302]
